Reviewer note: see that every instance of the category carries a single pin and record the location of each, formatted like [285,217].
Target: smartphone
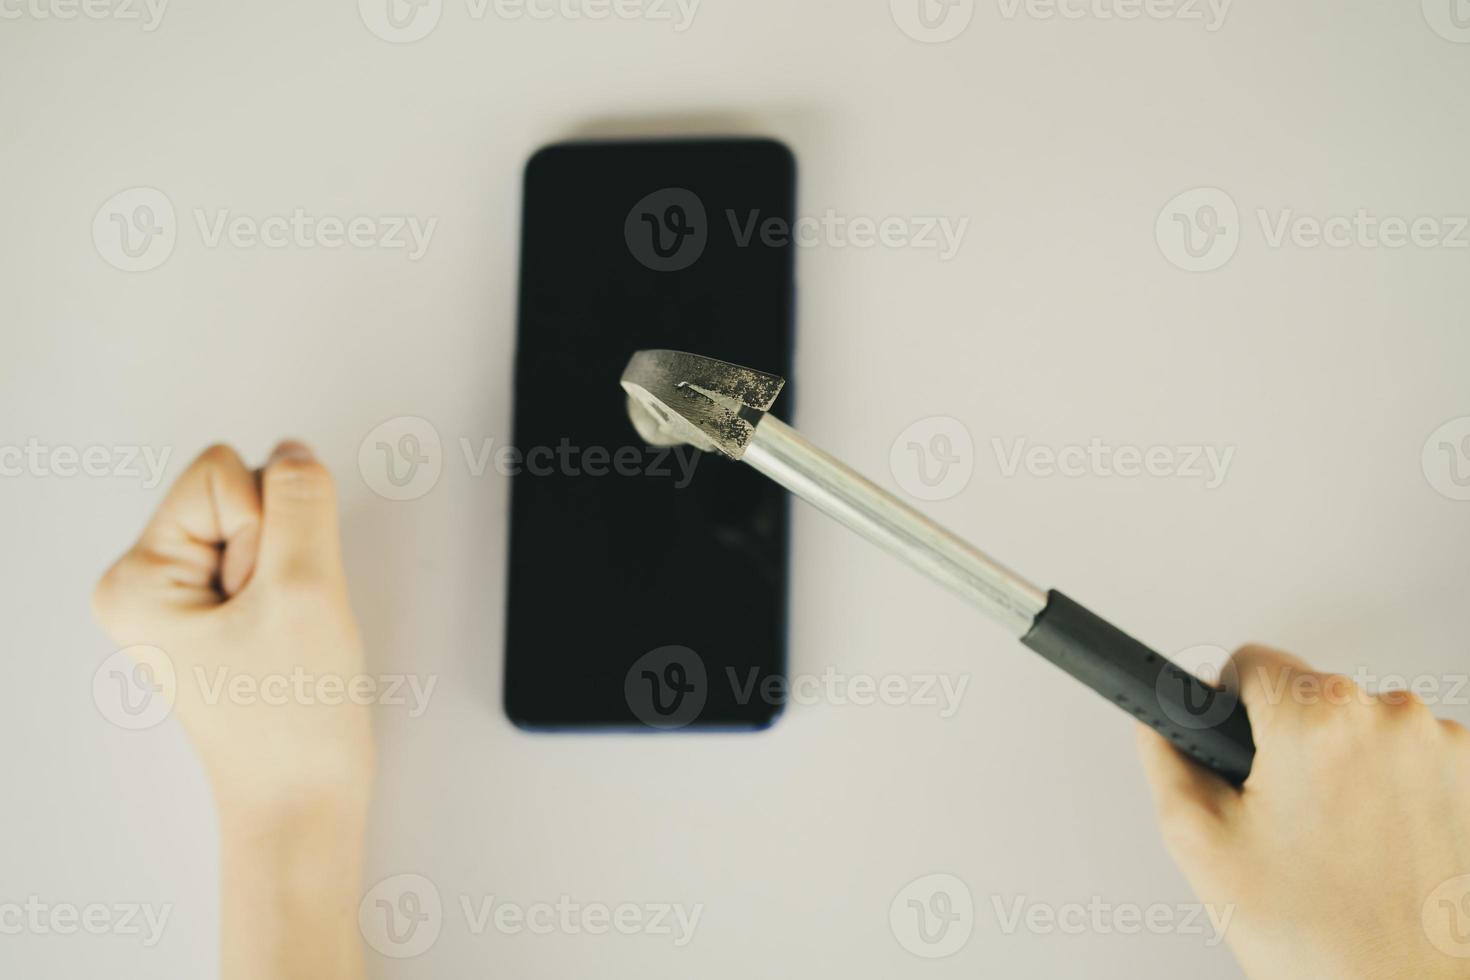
[647,586]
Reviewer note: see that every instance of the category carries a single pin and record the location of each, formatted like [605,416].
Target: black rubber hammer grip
[1204,722]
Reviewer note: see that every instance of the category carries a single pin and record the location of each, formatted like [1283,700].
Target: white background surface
[1060,319]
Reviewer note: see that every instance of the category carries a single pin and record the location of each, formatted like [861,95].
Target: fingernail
[293,449]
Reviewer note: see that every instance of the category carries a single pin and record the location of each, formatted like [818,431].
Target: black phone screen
[647,586]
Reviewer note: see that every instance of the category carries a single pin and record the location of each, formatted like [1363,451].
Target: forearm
[290,894]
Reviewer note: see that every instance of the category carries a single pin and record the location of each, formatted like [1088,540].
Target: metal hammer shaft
[779,451]
[1208,724]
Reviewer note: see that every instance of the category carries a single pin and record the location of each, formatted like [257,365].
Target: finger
[1279,690]
[1191,801]
[1263,676]
[213,507]
[299,539]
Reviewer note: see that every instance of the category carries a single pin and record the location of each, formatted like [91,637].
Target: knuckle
[1401,708]
[1330,725]
[1457,733]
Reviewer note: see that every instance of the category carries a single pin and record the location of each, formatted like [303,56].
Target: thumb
[299,539]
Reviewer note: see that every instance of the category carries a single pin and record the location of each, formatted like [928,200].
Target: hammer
[676,398]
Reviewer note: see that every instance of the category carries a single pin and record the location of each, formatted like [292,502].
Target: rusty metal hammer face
[676,398]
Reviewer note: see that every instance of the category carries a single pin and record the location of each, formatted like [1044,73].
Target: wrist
[292,881]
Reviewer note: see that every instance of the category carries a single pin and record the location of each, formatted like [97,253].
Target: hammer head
[676,398]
